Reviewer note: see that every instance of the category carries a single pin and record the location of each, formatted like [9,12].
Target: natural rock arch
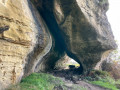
[36,41]
[78,29]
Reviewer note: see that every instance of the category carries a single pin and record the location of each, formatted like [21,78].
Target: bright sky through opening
[114,18]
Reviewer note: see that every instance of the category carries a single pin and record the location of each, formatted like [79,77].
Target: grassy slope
[43,81]
[105,80]
[38,81]
[105,84]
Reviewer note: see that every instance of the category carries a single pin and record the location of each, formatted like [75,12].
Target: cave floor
[71,78]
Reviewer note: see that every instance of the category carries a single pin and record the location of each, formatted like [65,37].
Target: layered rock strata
[24,40]
[33,40]
[80,27]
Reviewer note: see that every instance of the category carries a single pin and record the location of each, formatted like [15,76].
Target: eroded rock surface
[81,27]
[86,30]
[24,39]
[78,28]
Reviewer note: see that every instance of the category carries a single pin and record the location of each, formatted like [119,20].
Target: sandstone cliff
[80,28]
[24,40]
[35,34]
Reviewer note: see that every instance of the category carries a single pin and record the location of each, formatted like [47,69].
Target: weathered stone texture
[85,28]
[21,31]
[78,28]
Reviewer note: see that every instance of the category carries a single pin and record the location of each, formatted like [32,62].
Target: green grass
[38,81]
[103,79]
[105,84]
[43,81]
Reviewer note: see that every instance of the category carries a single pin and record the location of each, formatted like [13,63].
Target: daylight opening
[66,63]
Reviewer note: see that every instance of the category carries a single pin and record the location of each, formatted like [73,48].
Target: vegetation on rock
[43,81]
[103,79]
[38,81]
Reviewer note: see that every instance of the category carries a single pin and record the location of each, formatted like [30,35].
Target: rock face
[24,40]
[85,29]
[81,27]
[78,28]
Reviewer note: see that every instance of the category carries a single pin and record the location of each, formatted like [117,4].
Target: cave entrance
[66,63]
[56,60]
[67,68]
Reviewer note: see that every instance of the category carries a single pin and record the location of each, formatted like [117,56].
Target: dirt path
[80,85]
[89,86]
[74,81]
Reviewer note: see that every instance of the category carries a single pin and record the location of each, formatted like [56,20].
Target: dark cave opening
[46,11]
[50,20]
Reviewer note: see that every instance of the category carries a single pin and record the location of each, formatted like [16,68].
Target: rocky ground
[73,78]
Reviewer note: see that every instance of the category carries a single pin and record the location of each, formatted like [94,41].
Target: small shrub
[102,78]
[103,1]
[104,4]
[96,73]
[112,67]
